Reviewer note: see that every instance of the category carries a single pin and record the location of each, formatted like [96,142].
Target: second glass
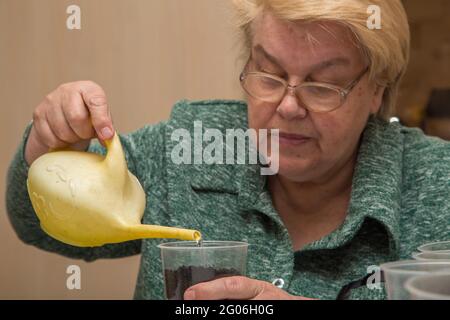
[398,272]
[429,287]
[440,246]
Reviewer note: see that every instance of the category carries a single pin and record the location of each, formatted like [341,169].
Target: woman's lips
[292,139]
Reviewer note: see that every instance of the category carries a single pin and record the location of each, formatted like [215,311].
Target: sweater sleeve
[147,140]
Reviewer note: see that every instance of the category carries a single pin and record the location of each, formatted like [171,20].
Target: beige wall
[146,54]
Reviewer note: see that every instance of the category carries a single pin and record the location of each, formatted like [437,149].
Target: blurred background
[147,54]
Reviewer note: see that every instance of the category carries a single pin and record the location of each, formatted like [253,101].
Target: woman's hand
[70,116]
[237,288]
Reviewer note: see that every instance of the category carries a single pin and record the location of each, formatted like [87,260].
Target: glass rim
[395,267]
[192,245]
[422,255]
[410,286]
[423,247]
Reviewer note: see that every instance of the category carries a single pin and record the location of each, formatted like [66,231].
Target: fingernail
[106,133]
[189,295]
[98,101]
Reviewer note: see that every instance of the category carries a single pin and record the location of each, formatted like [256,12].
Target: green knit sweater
[400,200]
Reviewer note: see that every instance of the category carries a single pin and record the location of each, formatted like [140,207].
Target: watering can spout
[152,231]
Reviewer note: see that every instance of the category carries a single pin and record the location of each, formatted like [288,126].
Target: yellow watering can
[87,200]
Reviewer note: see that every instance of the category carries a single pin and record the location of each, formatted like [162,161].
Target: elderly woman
[352,190]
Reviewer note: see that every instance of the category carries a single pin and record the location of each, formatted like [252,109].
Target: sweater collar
[376,187]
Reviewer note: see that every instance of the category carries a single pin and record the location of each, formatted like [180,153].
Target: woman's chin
[297,169]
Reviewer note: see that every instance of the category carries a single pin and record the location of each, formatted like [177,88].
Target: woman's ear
[377,99]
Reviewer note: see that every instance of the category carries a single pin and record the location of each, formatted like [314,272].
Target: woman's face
[311,52]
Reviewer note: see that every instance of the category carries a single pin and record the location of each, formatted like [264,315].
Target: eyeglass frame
[343,92]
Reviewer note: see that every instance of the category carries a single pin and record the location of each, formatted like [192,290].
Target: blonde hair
[387,48]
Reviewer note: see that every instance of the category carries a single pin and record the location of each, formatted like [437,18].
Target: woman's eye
[314,79]
[266,70]
[268,82]
[328,80]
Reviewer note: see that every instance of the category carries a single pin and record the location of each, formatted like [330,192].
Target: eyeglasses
[315,96]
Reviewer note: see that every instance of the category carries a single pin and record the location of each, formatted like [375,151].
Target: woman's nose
[291,107]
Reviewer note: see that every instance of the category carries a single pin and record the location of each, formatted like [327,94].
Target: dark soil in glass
[177,281]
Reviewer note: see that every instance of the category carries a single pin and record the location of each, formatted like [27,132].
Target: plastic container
[429,287]
[438,255]
[185,263]
[435,246]
[397,273]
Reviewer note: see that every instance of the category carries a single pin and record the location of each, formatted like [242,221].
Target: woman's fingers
[77,115]
[95,99]
[60,126]
[237,287]
[46,135]
[71,115]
